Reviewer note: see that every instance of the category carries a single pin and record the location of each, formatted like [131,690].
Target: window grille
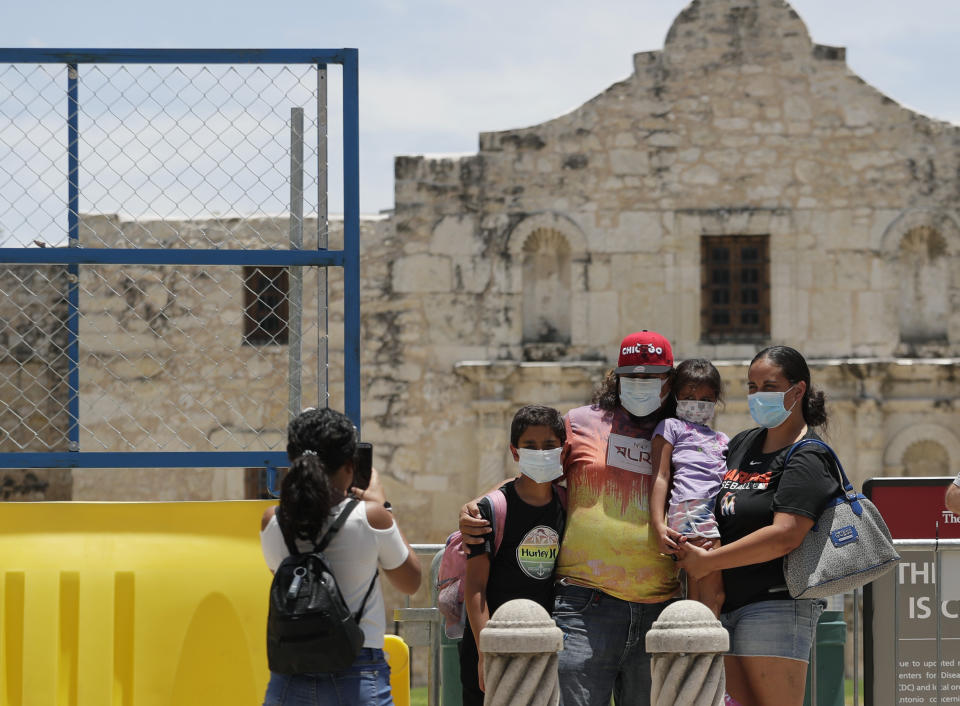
[265,306]
[735,292]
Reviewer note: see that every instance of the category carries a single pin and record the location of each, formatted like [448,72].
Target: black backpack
[309,627]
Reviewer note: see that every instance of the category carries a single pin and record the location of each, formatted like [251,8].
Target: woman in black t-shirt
[764,509]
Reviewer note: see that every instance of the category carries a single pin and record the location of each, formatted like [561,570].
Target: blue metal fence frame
[74,255]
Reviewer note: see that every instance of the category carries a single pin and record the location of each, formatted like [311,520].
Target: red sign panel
[912,618]
[913,507]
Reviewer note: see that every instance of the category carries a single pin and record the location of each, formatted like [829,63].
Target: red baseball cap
[644,352]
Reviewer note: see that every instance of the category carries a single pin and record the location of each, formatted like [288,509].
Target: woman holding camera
[322,447]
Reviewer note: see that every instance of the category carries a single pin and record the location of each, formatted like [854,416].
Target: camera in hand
[363,464]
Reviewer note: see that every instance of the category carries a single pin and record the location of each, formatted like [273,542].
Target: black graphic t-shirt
[523,565]
[752,491]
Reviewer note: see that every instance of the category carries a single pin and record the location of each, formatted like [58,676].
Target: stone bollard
[519,645]
[686,645]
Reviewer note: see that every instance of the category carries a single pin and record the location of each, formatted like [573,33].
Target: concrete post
[520,644]
[686,644]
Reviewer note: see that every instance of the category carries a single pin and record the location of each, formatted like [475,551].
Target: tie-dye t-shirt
[609,543]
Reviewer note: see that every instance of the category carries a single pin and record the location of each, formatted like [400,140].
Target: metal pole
[323,243]
[939,609]
[434,670]
[896,630]
[295,318]
[351,236]
[856,647]
[73,271]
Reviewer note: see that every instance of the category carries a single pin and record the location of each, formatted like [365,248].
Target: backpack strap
[335,527]
[330,534]
[498,505]
[290,540]
[359,613]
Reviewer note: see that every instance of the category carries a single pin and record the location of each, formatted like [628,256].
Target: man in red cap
[612,581]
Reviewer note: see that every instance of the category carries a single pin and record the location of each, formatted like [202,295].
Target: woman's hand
[472,525]
[693,559]
[373,492]
[765,544]
[483,687]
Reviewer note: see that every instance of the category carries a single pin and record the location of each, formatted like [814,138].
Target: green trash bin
[451,693]
[831,637]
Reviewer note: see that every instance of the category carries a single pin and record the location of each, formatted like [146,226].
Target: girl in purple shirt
[688,458]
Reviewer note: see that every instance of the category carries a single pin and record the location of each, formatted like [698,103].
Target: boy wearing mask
[523,565]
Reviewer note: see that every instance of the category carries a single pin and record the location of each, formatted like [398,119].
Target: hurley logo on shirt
[737,480]
[537,552]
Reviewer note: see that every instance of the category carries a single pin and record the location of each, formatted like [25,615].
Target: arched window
[923,450]
[546,287]
[924,280]
[926,458]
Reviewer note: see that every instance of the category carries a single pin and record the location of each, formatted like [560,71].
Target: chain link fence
[162,145]
[164,245]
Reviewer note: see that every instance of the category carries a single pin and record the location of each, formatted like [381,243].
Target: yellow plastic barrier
[135,604]
[398,657]
[132,604]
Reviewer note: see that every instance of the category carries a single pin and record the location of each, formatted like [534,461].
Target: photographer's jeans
[366,681]
[604,647]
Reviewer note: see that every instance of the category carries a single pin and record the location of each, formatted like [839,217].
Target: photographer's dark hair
[606,395]
[694,373]
[536,415]
[319,442]
[306,497]
[328,433]
[794,368]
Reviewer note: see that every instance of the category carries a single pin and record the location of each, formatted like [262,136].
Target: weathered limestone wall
[34,390]
[741,125]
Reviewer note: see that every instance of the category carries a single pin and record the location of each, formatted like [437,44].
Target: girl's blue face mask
[767,408]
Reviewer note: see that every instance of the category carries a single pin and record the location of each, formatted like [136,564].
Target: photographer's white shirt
[354,554]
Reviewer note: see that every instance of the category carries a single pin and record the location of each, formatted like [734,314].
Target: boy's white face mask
[541,466]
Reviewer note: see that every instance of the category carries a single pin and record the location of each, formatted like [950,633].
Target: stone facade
[34,388]
[509,276]
[741,125]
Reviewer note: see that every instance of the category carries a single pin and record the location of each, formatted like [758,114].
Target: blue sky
[434,73]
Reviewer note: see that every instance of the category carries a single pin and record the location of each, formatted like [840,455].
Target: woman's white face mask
[640,396]
[541,466]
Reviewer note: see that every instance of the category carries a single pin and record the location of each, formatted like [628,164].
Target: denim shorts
[783,628]
[366,682]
